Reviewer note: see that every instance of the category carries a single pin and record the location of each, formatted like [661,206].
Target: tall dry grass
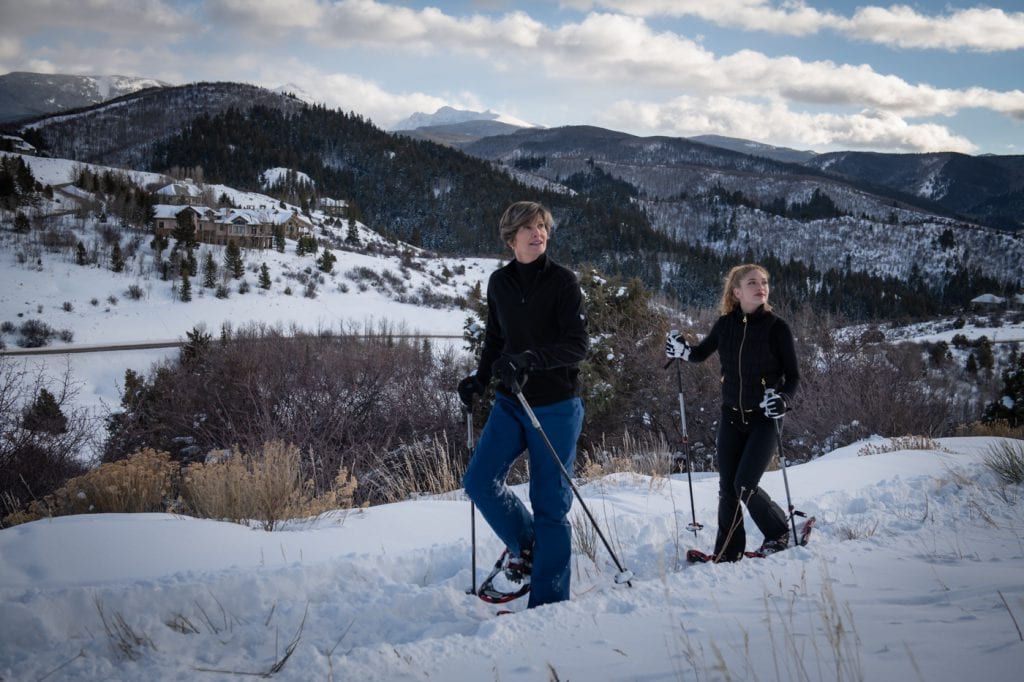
[145,482]
[266,487]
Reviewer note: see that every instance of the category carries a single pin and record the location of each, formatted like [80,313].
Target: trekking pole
[694,526]
[785,478]
[468,410]
[624,576]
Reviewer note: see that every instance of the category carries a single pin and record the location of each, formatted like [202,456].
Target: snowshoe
[508,580]
[774,546]
[695,556]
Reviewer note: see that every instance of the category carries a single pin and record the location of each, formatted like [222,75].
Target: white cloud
[367,22]
[774,121]
[984,30]
[352,93]
[123,17]
[980,29]
[273,16]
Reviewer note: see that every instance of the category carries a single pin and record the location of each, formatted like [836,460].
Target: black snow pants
[745,446]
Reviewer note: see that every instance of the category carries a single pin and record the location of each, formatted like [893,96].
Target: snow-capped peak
[449,115]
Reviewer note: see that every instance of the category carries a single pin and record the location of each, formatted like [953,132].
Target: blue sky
[926,76]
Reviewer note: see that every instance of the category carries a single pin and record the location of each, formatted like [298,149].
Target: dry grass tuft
[144,482]
[267,487]
[900,443]
[1006,459]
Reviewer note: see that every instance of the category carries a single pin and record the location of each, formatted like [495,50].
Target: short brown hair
[518,214]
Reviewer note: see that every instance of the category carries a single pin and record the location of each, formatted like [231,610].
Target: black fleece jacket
[537,307]
[756,352]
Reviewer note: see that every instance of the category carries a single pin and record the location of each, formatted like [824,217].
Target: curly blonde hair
[729,301]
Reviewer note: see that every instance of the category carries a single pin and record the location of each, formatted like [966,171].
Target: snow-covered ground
[915,572]
[94,305]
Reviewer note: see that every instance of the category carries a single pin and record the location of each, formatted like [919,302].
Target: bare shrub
[994,429]
[42,439]
[338,397]
[850,390]
[144,482]
[267,487]
[35,334]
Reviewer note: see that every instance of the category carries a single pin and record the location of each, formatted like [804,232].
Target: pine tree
[44,415]
[185,231]
[279,238]
[264,276]
[185,293]
[1010,405]
[326,261]
[116,259]
[209,271]
[81,255]
[22,224]
[352,235]
[233,260]
[196,345]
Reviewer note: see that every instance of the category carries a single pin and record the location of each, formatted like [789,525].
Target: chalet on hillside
[335,208]
[181,193]
[249,228]
[13,143]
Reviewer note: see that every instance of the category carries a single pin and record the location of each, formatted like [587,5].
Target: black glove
[510,368]
[774,404]
[676,346]
[468,387]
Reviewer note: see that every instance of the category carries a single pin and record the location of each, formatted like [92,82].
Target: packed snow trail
[914,573]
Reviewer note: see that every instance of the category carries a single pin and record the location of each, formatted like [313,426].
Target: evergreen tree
[325,263]
[209,271]
[279,238]
[116,259]
[1010,405]
[22,224]
[196,344]
[185,292]
[185,231]
[191,263]
[81,255]
[264,276]
[158,243]
[352,234]
[233,260]
[44,415]
[306,244]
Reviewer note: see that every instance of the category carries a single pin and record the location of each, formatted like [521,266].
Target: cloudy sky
[923,76]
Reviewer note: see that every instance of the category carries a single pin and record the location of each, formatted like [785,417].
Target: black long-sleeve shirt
[756,352]
[537,307]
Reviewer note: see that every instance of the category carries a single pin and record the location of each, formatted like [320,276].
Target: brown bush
[144,482]
[267,487]
[339,397]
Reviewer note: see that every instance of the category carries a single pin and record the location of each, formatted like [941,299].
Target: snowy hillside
[913,573]
[376,283]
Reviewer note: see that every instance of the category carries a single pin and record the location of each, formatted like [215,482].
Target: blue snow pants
[506,435]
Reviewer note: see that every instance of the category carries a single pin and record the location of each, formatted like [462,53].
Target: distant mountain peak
[447,115]
[24,93]
[298,93]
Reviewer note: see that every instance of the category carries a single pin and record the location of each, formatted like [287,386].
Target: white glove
[676,346]
[773,404]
